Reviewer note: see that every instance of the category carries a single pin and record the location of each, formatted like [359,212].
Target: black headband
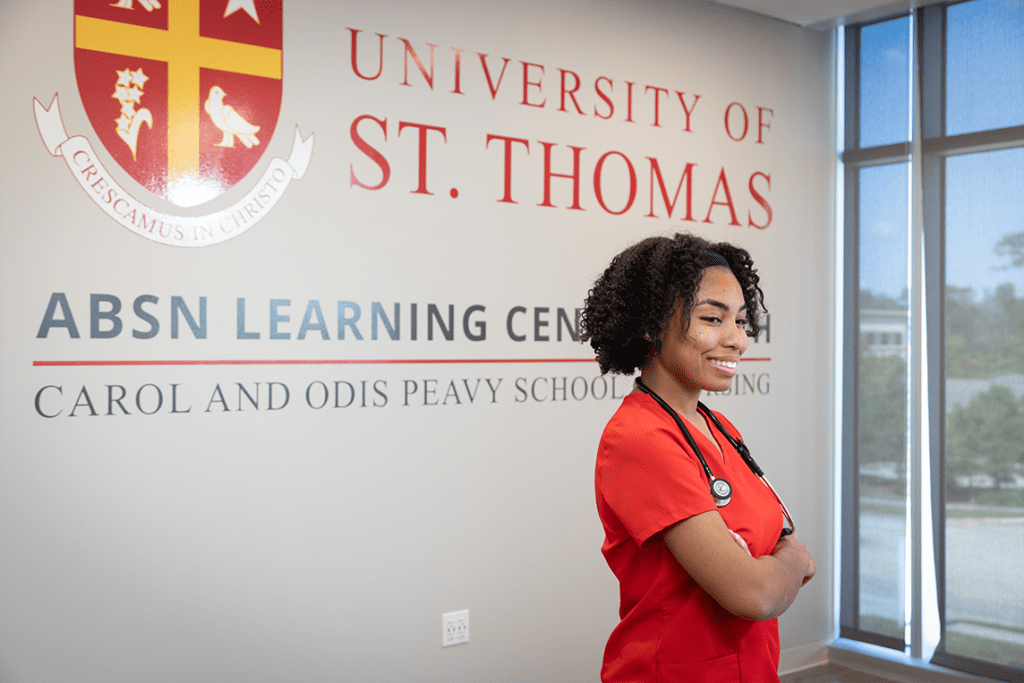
[710,259]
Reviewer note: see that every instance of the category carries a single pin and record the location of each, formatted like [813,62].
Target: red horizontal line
[384,361]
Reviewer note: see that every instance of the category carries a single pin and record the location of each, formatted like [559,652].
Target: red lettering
[598,191]
[508,162]
[487,73]
[724,184]
[458,71]
[629,102]
[657,102]
[570,92]
[380,55]
[688,110]
[365,148]
[746,122]
[527,83]
[89,172]
[604,96]
[761,125]
[574,176]
[670,206]
[422,128]
[416,58]
[760,199]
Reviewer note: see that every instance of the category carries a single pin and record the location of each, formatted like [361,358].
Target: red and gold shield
[184,94]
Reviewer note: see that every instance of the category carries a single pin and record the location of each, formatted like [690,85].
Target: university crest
[184,95]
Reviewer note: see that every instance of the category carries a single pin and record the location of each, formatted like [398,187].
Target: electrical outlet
[454,628]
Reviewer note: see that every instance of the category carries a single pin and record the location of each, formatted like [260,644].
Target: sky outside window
[885,83]
[979,35]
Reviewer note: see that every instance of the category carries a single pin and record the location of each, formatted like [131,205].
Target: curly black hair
[638,292]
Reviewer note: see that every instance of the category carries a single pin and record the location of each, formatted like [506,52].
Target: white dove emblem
[148,5]
[229,121]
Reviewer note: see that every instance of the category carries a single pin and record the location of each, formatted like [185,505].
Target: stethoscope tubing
[786,531]
[737,444]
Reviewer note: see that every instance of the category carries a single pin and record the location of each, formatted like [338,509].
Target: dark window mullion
[931,28]
[931,52]
[973,143]
[852,76]
[882,155]
[849,618]
[934,205]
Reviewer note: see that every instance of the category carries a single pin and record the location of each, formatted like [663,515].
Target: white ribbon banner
[177,231]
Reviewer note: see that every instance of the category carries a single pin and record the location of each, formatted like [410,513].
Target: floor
[833,673]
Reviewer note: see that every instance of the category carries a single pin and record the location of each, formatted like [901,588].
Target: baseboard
[803,657]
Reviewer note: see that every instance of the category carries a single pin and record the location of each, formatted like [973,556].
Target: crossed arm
[752,588]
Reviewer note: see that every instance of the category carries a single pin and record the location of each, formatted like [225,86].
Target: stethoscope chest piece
[721,491]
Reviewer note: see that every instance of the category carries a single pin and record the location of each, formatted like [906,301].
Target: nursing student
[699,548]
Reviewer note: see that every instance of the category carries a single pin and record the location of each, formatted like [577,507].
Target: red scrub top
[647,479]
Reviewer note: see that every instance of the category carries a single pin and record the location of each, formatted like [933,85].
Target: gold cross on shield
[185,51]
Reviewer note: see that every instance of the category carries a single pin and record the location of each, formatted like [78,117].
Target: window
[932,560]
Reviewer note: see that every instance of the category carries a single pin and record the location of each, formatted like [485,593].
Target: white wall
[306,544]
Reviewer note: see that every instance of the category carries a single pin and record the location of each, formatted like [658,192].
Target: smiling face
[705,355]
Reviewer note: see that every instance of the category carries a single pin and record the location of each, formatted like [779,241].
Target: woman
[701,580]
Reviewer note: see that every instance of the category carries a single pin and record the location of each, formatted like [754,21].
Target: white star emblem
[246,6]
[139,78]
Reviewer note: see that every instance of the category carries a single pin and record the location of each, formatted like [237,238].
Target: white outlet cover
[454,628]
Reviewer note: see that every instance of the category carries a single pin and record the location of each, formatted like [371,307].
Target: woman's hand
[739,539]
[790,545]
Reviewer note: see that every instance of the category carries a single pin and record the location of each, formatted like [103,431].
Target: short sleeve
[647,477]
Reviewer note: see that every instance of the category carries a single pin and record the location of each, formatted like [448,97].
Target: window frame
[928,148]
[854,158]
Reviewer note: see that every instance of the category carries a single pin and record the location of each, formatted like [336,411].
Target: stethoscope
[721,490]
